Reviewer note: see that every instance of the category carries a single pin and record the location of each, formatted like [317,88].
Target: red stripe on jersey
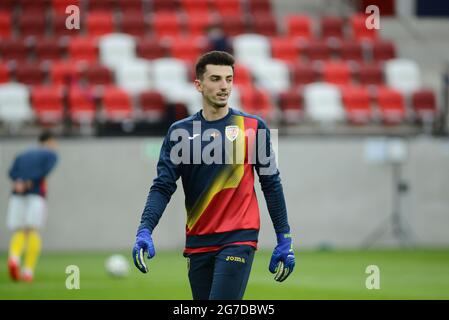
[216,248]
[251,126]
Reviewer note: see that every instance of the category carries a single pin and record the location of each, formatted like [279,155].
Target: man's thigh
[231,272]
[36,212]
[15,216]
[201,270]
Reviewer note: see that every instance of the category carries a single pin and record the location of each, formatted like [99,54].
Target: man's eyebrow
[219,76]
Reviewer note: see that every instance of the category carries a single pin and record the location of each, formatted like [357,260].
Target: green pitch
[414,274]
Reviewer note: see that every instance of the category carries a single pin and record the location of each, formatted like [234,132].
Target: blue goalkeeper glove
[283,259]
[144,242]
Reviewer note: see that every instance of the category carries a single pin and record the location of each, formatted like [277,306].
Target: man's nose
[223,84]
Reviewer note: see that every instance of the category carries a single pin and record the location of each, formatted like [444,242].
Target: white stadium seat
[170,77]
[323,102]
[15,106]
[116,48]
[169,72]
[251,47]
[134,76]
[403,75]
[272,75]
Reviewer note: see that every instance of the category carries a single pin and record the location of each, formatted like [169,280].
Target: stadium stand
[305,68]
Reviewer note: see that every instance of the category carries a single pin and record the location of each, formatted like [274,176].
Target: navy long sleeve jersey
[34,165]
[220,199]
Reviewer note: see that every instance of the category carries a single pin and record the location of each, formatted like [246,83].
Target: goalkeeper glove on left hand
[283,259]
[144,242]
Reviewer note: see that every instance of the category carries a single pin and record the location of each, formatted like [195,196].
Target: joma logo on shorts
[236,259]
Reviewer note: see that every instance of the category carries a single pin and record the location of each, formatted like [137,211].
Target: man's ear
[198,85]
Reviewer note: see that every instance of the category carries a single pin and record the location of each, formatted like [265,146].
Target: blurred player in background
[222,210]
[27,207]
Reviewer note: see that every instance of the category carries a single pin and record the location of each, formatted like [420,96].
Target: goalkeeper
[222,210]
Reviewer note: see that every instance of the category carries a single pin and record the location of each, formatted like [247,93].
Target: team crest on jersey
[232,132]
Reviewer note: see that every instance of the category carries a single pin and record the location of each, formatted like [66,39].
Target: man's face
[51,144]
[216,85]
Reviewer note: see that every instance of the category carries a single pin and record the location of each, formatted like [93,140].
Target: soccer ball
[117,266]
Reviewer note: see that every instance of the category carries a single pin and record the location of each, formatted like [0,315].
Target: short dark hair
[219,58]
[45,136]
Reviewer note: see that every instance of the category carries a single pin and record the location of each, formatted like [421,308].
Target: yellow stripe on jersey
[228,178]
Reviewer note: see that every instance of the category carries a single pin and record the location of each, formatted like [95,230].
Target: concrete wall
[334,196]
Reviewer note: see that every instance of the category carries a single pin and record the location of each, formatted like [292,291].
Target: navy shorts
[220,275]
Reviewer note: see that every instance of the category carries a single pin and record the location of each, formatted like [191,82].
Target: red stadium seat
[292,105]
[34,5]
[257,7]
[150,48]
[391,105]
[242,75]
[5,24]
[66,72]
[83,49]
[370,74]
[197,24]
[351,50]
[286,49]
[383,50]
[227,7]
[424,105]
[59,28]
[357,104]
[101,5]
[7,5]
[233,25]
[336,73]
[165,6]
[187,48]
[303,74]
[97,74]
[316,50]
[81,106]
[299,26]
[166,24]
[31,23]
[99,23]
[256,101]
[30,73]
[152,105]
[48,103]
[4,73]
[359,29]
[14,49]
[126,6]
[61,5]
[49,48]
[331,26]
[265,24]
[117,104]
[195,7]
[133,23]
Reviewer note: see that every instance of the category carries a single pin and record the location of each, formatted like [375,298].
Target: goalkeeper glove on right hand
[283,259]
[144,242]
